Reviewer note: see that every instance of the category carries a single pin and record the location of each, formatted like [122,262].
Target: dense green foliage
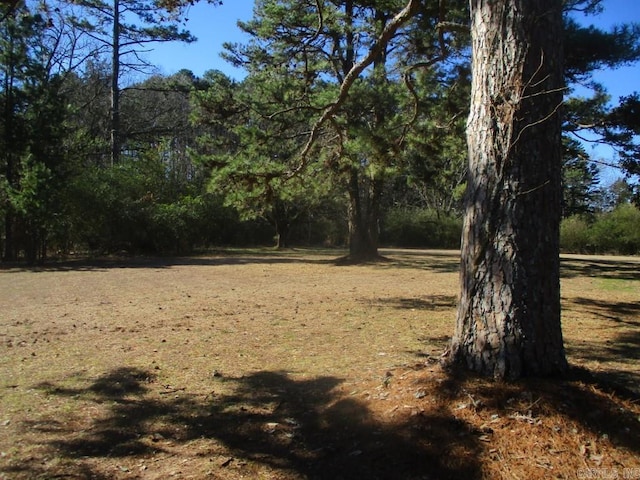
[421,228]
[614,232]
[213,161]
[32,155]
[398,120]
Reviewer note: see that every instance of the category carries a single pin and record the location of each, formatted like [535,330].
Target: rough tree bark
[363,216]
[508,321]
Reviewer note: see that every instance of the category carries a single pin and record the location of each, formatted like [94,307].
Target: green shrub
[616,232]
[575,235]
[420,228]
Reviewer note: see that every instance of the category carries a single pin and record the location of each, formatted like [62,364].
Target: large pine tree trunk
[508,322]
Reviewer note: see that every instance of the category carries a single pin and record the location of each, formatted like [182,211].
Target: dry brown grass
[259,364]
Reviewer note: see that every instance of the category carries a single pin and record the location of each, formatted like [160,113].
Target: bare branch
[537,122]
[453,27]
[442,27]
[531,84]
[320,23]
[409,84]
[381,42]
[292,109]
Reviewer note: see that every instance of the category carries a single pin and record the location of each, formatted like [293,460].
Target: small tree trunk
[281,217]
[508,321]
[282,235]
[363,216]
[10,252]
[31,247]
[115,88]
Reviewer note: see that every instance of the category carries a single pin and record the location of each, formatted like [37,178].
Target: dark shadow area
[622,346]
[441,261]
[627,345]
[267,257]
[433,354]
[119,434]
[624,349]
[33,470]
[596,267]
[588,399]
[306,429]
[621,380]
[425,302]
[612,311]
[444,261]
[299,428]
[356,260]
[321,435]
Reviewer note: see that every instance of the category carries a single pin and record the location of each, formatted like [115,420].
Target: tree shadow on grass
[424,302]
[118,434]
[299,428]
[627,345]
[222,258]
[271,424]
[617,359]
[439,261]
[619,312]
[597,267]
[308,429]
[619,351]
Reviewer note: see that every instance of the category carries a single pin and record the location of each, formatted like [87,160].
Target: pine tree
[125,28]
[348,59]
[31,153]
[508,322]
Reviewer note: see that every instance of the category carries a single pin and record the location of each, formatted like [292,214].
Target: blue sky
[624,80]
[212,26]
[215,25]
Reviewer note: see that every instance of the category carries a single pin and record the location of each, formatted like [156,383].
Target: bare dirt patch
[260,364]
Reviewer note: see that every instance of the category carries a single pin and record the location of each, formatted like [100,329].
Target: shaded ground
[273,365]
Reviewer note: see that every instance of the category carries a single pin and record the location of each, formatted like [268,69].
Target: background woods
[102,154]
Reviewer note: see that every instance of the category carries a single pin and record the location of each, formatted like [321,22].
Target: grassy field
[268,365]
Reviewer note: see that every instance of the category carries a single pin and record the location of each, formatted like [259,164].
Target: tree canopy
[348,128]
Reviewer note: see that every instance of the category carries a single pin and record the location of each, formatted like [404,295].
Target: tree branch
[442,27]
[380,44]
